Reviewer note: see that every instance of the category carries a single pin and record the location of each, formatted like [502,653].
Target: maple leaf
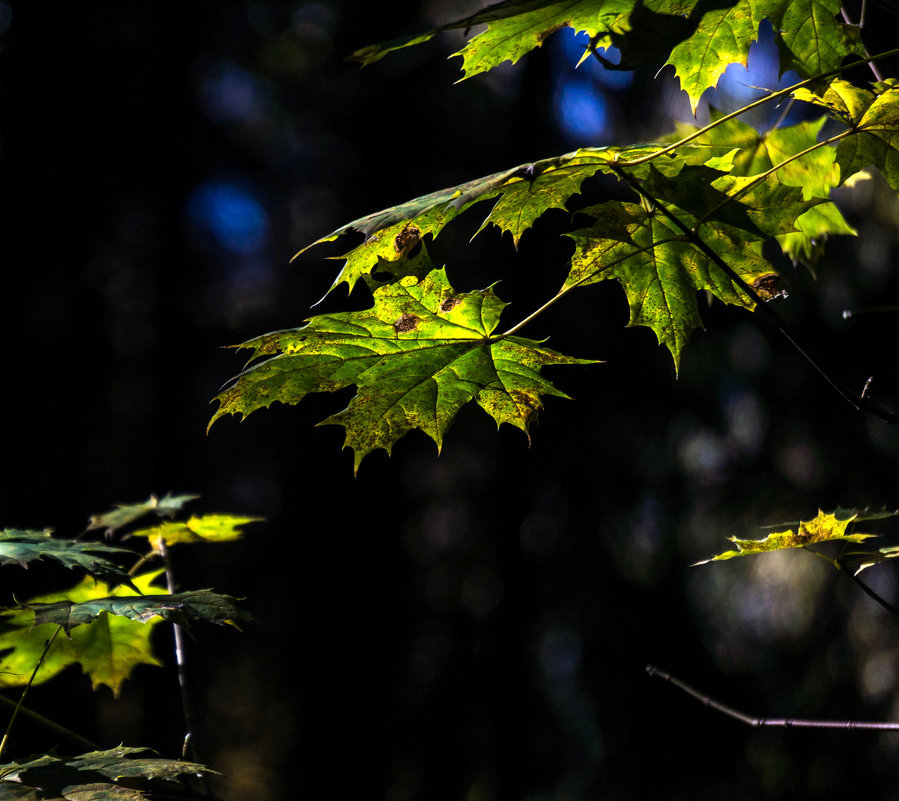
[24,546]
[824,528]
[515,27]
[876,142]
[699,39]
[810,38]
[180,607]
[51,778]
[108,650]
[660,264]
[659,269]
[416,357]
[521,195]
[208,528]
[126,513]
[525,192]
[815,172]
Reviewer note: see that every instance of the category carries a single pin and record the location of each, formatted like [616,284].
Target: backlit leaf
[824,528]
[207,528]
[416,357]
[521,195]
[108,650]
[876,141]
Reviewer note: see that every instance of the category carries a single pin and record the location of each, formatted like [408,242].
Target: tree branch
[857,401]
[783,723]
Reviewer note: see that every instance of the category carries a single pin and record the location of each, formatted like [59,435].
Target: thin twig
[856,401]
[754,104]
[839,565]
[37,667]
[564,291]
[861,23]
[749,720]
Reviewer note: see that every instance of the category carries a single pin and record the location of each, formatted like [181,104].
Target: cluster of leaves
[118,774]
[107,619]
[702,209]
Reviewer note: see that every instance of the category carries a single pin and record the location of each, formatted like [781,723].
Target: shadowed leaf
[181,607]
[22,547]
[96,776]
[125,514]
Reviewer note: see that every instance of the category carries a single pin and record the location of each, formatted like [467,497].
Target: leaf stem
[755,104]
[861,24]
[37,667]
[783,723]
[858,402]
[565,290]
[761,177]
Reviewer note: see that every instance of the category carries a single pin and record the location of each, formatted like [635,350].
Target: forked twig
[782,723]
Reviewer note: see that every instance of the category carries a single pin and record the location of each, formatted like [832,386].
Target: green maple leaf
[660,270]
[521,195]
[51,778]
[659,264]
[108,650]
[699,39]
[208,528]
[180,607]
[815,172]
[876,139]
[525,192]
[515,27]
[126,513]
[813,227]
[810,38]
[23,546]
[824,528]
[416,357]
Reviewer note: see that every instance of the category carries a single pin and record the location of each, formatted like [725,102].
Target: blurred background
[473,626]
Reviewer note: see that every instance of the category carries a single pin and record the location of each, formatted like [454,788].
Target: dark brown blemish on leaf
[407,322]
[406,239]
[768,287]
[449,303]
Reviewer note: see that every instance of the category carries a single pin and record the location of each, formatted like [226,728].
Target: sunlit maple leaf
[823,528]
[416,357]
[108,650]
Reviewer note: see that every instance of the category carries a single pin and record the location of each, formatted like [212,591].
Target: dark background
[473,626]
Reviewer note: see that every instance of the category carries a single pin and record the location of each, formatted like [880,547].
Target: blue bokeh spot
[234,217]
[580,109]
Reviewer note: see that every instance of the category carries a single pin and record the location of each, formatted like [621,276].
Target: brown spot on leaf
[406,239]
[407,322]
[768,287]
[449,303]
